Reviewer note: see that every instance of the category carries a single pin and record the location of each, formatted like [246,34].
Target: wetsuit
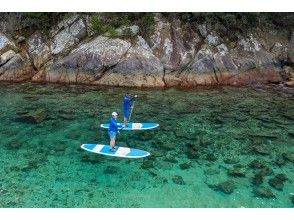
[113,127]
[127,104]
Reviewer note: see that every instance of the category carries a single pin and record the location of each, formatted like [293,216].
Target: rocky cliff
[174,53]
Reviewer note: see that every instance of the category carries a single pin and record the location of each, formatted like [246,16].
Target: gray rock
[74,31]
[63,41]
[128,30]
[6,44]
[213,39]
[38,50]
[138,67]
[5,57]
[202,29]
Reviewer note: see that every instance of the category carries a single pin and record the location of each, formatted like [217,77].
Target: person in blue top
[127,105]
[113,131]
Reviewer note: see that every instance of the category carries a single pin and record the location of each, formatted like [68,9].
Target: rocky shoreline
[174,55]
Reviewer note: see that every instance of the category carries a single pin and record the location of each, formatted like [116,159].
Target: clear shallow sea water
[201,155]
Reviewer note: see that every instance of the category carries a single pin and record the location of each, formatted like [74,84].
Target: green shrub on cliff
[102,28]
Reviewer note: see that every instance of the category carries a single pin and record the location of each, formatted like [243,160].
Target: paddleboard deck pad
[120,152]
[133,126]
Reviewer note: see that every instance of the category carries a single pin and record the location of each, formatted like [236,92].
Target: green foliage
[147,21]
[101,28]
[39,20]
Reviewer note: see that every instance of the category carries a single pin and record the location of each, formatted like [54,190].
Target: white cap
[114,114]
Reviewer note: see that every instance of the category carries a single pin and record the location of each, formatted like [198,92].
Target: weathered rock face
[67,34]
[38,50]
[175,54]
[174,44]
[107,61]
[87,63]
[14,66]
[137,67]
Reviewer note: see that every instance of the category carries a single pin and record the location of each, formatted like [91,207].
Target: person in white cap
[112,131]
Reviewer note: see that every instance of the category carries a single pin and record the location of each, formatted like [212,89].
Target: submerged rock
[292,199]
[261,150]
[185,166]
[237,172]
[280,160]
[178,180]
[192,153]
[147,164]
[110,170]
[289,156]
[257,179]
[211,157]
[15,144]
[170,159]
[278,181]
[256,164]
[33,117]
[231,160]
[226,187]
[263,192]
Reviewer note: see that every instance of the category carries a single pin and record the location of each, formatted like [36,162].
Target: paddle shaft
[131,111]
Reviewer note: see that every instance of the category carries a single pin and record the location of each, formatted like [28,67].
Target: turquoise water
[202,152]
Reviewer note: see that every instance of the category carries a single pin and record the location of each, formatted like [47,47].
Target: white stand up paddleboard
[120,152]
[133,126]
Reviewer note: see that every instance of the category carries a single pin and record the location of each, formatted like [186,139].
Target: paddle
[132,109]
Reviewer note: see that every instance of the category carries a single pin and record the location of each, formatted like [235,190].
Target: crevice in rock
[214,71]
[163,78]
[106,69]
[5,62]
[183,68]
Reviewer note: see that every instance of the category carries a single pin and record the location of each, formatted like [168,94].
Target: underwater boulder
[178,180]
[171,159]
[278,181]
[185,166]
[292,199]
[280,161]
[237,172]
[257,164]
[261,150]
[226,187]
[110,170]
[33,117]
[147,164]
[289,156]
[266,171]
[257,179]
[231,160]
[263,192]
[192,153]
[211,157]
[15,144]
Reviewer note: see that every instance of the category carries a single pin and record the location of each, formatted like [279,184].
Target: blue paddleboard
[133,126]
[120,152]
